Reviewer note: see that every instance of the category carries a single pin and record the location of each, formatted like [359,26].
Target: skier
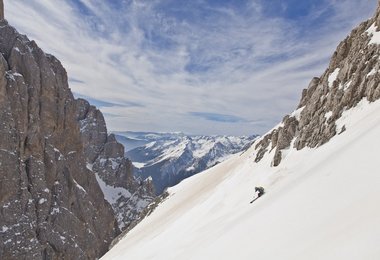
[259,191]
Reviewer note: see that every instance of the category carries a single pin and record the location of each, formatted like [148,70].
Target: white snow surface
[346,85]
[138,164]
[328,115]
[111,193]
[80,187]
[42,201]
[375,34]
[372,72]
[319,204]
[4,229]
[333,77]
[89,166]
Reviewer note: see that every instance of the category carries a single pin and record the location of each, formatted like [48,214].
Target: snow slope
[320,204]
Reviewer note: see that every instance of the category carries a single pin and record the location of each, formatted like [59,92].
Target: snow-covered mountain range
[171,157]
[319,168]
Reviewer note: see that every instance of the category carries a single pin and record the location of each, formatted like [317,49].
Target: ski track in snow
[319,204]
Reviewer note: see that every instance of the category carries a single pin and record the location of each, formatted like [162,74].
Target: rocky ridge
[105,158]
[56,162]
[353,74]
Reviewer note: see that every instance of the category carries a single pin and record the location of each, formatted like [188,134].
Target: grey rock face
[105,158]
[353,74]
[1,10]
[54,153]
[51,206]
[283,137]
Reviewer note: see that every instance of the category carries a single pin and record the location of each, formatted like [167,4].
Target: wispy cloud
[218,117]
[72,81]
[149,65]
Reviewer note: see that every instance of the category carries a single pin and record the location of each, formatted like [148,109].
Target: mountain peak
[351,76]
[65,186]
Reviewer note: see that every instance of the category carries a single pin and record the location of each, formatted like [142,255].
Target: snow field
[319,204]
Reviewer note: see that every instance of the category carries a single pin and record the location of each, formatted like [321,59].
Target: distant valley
[171,157]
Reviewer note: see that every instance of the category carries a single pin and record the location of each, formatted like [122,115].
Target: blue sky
[196,66]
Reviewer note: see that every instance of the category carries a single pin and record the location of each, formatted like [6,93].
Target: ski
[254,200]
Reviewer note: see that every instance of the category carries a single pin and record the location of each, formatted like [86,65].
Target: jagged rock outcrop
[57,163]
[146,212]
[105,158]
[51,206]
[353,74]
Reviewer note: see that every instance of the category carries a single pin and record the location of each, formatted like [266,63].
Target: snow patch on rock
[333,76]
[375,35]
[111,193]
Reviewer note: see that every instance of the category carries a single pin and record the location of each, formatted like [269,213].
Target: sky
[233,67]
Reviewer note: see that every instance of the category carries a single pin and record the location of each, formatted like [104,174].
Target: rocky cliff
[353,74]
[1,10]
[57,163]
[105,158]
